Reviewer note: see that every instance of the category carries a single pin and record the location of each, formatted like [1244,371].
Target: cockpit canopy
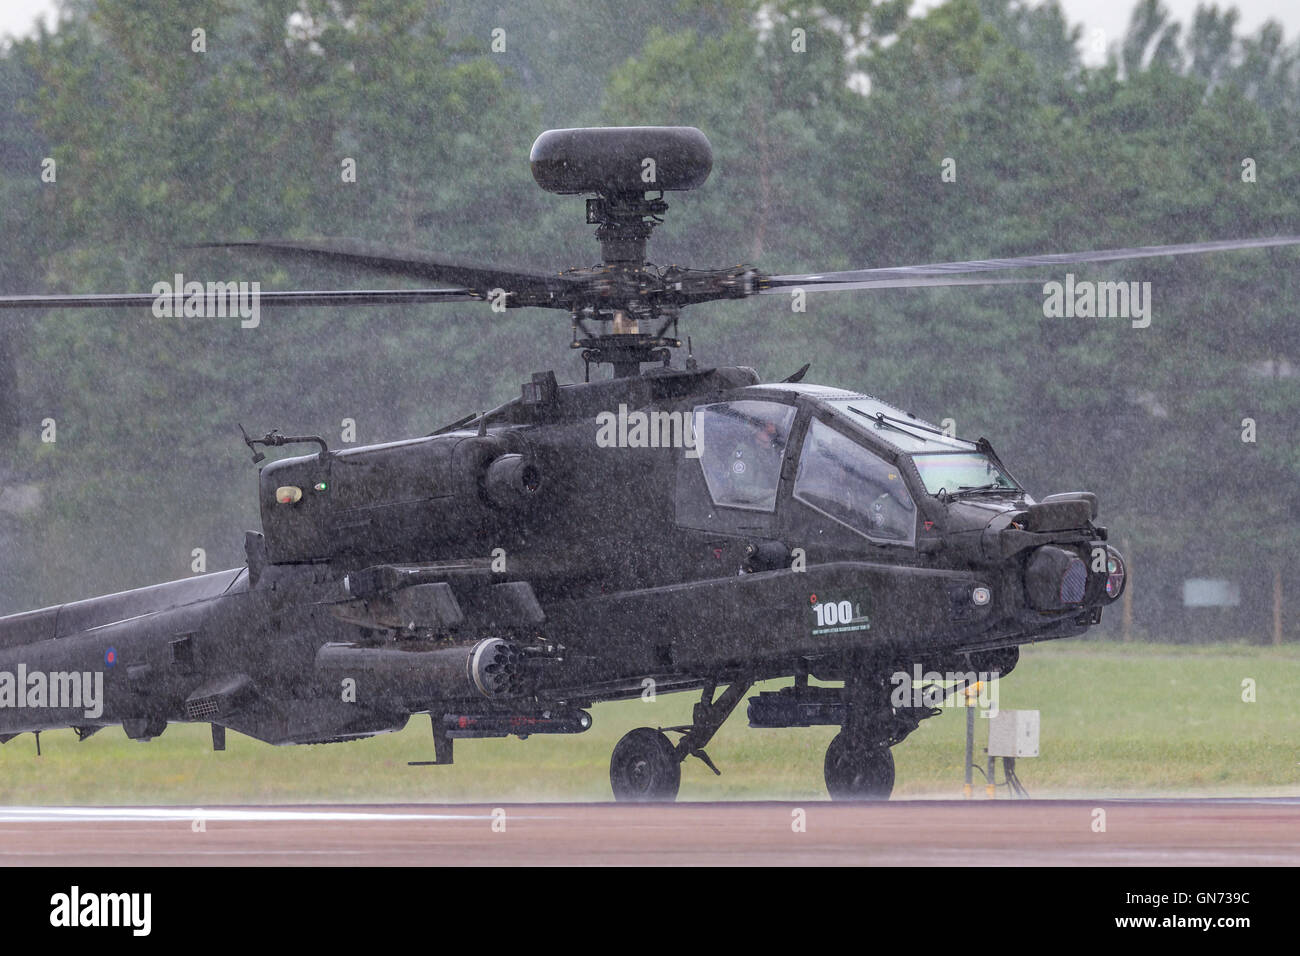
[946,464]
[849,458]
[741,446]
[844,480]
[887,424]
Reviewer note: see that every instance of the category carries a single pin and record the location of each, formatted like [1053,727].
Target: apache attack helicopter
[686,529]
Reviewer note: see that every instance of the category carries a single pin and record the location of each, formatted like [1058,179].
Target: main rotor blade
[413,263]
[325,297]
[877,278]
[918,283]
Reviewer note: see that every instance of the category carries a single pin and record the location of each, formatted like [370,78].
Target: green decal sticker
[837,612]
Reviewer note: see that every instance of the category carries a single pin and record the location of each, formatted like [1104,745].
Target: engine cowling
[404,498]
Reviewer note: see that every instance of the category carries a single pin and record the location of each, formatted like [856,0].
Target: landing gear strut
[859,764]
[646,766]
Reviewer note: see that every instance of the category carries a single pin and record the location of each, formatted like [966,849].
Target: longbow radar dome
[629,159]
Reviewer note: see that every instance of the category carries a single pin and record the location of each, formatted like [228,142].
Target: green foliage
[831,125]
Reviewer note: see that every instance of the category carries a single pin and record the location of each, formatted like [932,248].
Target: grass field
[1117,720]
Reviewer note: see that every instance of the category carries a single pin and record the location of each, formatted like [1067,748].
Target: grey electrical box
[1014,733]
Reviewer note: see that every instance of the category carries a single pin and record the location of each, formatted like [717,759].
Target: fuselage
[683,527]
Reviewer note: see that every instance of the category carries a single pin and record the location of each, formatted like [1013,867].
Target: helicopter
[679,528]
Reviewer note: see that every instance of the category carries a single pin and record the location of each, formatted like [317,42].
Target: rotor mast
[628,170]
[624,222]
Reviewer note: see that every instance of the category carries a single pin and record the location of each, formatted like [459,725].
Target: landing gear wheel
[645,767]
[858,771]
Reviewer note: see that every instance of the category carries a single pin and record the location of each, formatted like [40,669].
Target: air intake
[218,697]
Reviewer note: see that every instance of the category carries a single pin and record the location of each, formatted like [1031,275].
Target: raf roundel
[110,656]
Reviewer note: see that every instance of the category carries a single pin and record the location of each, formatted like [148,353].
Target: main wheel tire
[644,767]
[858,771]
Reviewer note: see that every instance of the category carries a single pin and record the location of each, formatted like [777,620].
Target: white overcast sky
[1109,16]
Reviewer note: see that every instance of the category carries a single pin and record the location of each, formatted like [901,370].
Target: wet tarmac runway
[903,833]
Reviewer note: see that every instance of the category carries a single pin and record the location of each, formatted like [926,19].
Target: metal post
[970,746]
[1277,606]
[1127,617]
